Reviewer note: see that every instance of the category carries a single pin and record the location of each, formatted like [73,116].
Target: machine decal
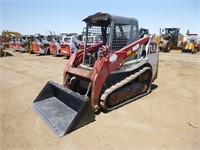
[128,53]
[113,58]
[153,48]
[135,47]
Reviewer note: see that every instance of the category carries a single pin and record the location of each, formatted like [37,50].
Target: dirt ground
[167,118]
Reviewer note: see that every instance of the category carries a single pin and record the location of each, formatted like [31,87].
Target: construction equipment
[17,43]
[65,48]
[76,42]
[2,48]
[192,44]
[92,39]
[170,38]
[36,43]
[21,43]
[24,44]
[40,44]
[44,44]
[6,36]
[30,44]
[63,40]
[104,76]
[70,44]
[54,45]
[12,41]
[2,53]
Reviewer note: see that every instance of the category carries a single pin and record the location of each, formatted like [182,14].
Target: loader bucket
[62,109]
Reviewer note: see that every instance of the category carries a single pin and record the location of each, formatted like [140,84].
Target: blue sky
[38,16]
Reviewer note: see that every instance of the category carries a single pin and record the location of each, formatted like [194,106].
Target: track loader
[102,77]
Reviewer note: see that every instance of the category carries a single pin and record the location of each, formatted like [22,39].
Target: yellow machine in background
[4,40]
[6,36]
[170,38]
[158,39]
[30,45]
[192,44]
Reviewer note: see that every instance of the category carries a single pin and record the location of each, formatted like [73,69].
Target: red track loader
[104,76]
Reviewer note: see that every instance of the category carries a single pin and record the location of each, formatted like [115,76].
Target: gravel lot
[167,118]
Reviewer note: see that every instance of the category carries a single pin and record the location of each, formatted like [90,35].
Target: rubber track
[118,85]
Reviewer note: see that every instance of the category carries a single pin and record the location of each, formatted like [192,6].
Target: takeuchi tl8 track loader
[102,77]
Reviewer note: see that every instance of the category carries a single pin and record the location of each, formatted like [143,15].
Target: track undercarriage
[129,88]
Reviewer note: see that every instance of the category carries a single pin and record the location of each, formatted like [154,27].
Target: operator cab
[172,35]
[114,32]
